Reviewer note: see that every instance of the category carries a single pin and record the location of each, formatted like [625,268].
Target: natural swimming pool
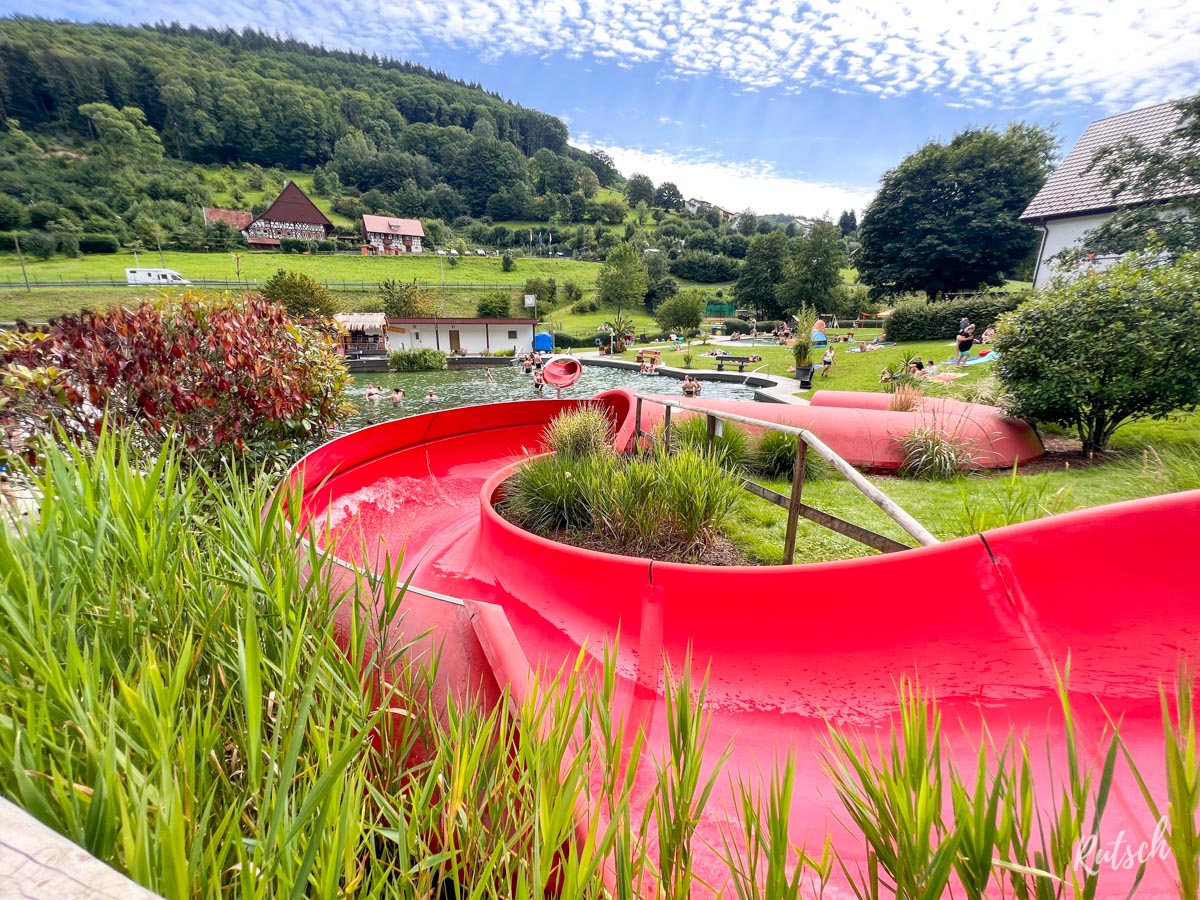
[469,387]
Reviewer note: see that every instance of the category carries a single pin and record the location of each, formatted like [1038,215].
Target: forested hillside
[225,96]
[102,122]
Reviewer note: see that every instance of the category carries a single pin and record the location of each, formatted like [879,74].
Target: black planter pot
[804,376]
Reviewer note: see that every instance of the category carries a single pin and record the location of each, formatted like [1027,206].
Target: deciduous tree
[813,270]
[623,278]
[761,273]
[639,187]
[1106,348]
[668,196]
[301,294]
[945,219]
[684,312]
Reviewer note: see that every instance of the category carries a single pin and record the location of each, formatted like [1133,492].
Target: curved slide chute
[985,623]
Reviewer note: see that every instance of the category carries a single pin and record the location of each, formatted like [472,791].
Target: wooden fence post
[789,538]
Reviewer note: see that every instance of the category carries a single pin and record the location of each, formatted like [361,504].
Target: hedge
[98,243]
[732,325]
[562,339]
[917,320]
[423,359]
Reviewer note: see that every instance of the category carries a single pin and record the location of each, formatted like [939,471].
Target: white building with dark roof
[1075,200]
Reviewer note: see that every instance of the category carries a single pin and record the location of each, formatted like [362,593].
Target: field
[261,265]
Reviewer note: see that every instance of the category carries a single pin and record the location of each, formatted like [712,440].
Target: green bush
[736,325]
[731,449]
[1107,348]
[551,494]
[704,267]
[668,506]
[98,243]
[916,320]
[493,306]
[422,359]
[564,340]
[292,245]
[39,244]
[775,457]
[301,294]
[507,263]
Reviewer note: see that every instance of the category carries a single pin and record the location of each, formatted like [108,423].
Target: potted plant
[805,318]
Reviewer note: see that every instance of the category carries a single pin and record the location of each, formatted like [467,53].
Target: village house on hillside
[389,236]
[1074,200]
[292,215]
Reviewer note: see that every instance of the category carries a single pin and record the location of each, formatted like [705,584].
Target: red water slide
[985,622]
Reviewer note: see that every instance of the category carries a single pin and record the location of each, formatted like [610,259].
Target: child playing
[826,362]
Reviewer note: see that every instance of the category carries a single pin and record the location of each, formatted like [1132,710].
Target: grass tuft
[933,454]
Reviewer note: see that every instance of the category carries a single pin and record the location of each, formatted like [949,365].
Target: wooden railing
[805,440]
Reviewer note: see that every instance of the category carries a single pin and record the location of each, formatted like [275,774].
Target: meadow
[426,268]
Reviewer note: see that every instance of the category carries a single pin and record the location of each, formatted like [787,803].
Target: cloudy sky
[775,105]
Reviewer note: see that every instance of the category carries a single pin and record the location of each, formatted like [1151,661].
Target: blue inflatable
[543,342]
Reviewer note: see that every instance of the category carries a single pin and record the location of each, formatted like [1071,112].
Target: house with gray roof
[1075,200]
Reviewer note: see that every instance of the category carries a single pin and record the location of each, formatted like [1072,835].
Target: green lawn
[261,265]
[948,509]
[850,372]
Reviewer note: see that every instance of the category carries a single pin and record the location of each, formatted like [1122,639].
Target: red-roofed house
[237,219]
[393,236]
[292,215]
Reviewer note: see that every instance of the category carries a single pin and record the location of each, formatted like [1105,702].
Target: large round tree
[1106,348]
[945,219]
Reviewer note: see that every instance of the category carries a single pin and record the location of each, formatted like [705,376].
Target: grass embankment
[1146,459]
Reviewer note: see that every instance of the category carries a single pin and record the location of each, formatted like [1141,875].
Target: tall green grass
[174,698]
[660,505]
[172,695]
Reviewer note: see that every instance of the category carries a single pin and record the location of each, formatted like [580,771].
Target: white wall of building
[474,338]
[1061,234]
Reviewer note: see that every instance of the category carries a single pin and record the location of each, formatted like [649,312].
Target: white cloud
[737,186]
[1111,53]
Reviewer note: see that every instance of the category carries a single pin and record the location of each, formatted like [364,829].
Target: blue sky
[766,104]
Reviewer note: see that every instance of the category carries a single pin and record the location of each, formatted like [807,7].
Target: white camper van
[161,277]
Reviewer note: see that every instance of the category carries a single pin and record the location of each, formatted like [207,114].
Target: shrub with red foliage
[223,375]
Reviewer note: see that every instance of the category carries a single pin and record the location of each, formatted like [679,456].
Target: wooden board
[40,864]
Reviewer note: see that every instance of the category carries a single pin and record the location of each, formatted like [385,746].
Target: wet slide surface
[984,622]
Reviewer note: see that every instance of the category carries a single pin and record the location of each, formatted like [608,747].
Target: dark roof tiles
[293,205]
[1071,190]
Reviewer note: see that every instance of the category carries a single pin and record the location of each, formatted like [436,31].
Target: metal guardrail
[805,439]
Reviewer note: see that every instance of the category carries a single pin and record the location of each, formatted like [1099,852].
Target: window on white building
[512,335]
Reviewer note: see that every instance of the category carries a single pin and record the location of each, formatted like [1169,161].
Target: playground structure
[986,623]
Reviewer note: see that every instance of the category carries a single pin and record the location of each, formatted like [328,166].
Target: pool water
[469,387]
